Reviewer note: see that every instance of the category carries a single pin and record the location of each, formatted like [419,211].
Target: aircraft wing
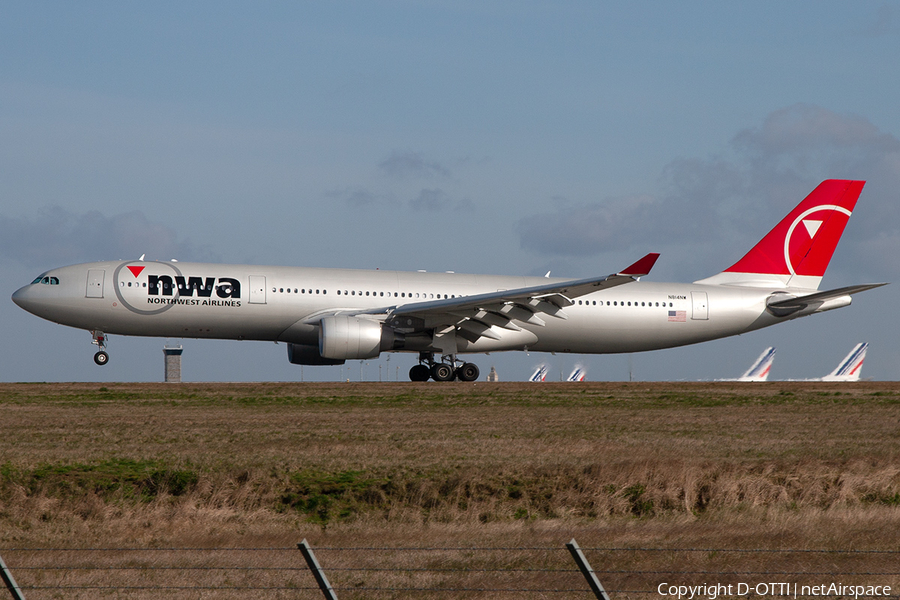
[474,316]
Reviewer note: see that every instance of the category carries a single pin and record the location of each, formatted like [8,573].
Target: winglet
[641,267]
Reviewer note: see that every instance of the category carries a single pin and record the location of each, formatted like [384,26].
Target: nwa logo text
[187,286]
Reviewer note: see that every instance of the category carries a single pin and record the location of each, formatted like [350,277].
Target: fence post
[317,571]
[11,584]
[587,570]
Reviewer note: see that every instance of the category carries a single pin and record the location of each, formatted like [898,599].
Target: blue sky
[508,138]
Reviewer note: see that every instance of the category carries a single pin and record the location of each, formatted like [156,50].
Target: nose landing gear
[446,370]
[101,358]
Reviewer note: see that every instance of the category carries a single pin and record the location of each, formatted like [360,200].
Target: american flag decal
[677,316]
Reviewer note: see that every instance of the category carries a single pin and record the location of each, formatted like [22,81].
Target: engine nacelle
[301,354]
[352,338]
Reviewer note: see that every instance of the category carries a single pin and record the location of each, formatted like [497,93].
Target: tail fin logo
[812,227]
[797,254]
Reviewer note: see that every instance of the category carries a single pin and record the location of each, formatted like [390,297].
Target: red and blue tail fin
[760,369]
[851,366]
[797,251]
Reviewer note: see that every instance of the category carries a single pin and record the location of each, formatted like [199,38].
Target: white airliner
[328,316]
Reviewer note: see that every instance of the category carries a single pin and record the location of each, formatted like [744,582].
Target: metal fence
[447,572]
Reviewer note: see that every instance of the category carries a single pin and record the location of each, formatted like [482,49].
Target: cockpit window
[46,280]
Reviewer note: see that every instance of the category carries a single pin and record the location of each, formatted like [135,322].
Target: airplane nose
[22,297]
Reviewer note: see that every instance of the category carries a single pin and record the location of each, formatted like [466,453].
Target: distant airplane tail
[577,374]
[760,369]
[797,250]
[540,374]
[850,368]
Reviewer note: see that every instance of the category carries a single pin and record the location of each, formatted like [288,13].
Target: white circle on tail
[810,229]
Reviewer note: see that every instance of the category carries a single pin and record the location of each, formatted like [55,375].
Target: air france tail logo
[797,246]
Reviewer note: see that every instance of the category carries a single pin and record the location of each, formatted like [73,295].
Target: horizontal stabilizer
[782,308]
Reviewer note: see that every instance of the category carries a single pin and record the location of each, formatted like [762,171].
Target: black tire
[442,372]
[101,358]
[468,372]
[419,373]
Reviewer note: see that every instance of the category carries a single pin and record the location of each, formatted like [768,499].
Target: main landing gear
[101,358]
[446,370]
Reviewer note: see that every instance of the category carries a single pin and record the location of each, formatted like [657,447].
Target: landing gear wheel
[101,358]
[419,373]
[468,372]
[442,372]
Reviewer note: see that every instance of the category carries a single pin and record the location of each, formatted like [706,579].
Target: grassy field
[685,465]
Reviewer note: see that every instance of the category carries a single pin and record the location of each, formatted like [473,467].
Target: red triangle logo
[135,270]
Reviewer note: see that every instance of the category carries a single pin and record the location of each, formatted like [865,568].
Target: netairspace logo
[781,589]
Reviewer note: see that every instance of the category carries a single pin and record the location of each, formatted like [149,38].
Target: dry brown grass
[779,465]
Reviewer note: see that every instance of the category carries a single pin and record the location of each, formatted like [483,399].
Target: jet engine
[301,354]
[348,338]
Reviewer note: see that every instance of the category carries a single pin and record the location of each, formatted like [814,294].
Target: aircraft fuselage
[199,300]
